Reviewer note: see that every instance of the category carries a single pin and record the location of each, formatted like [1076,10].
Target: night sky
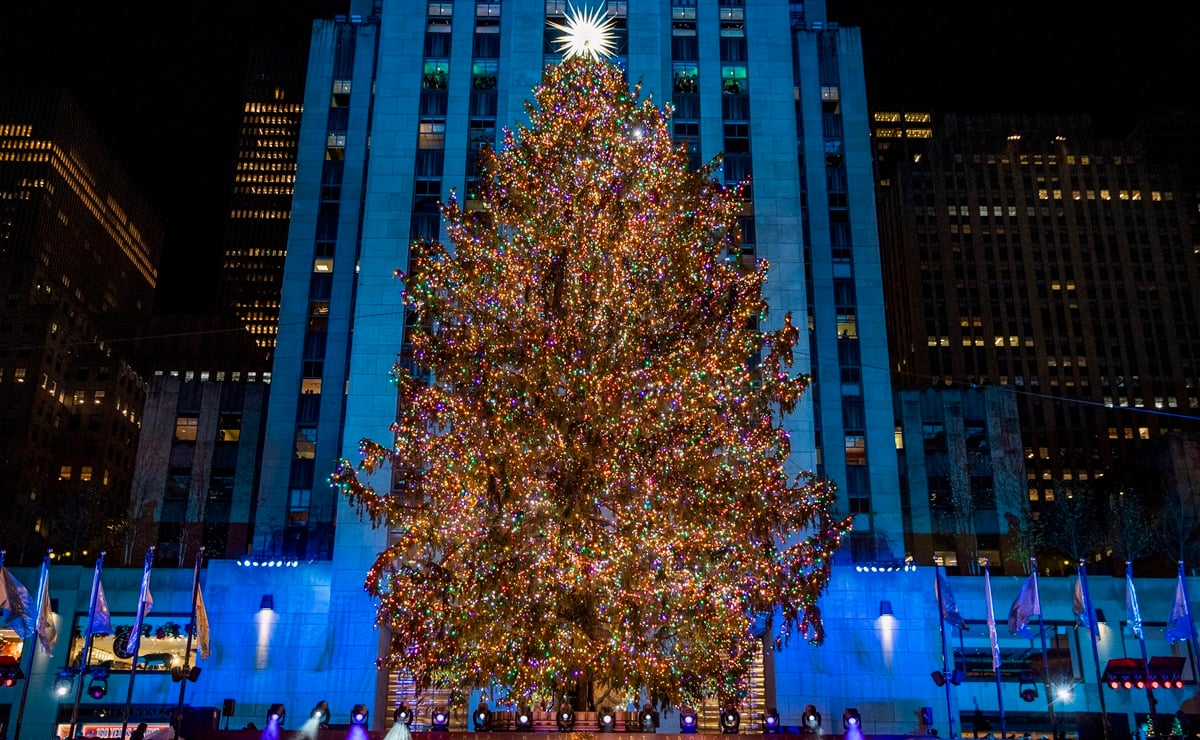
[161,80]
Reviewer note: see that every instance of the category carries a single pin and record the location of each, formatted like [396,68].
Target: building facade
[399,99]
[1028,253]
[261,198]
[79,249]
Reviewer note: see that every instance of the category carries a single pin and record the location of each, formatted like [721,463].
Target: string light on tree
[591,488]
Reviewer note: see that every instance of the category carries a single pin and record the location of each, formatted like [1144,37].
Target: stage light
[649,719]
[275,714]
[956,676]
[1064,692]
[939,678]
[524,719]
[403,715]
[811,720]
[606,719]
[320,712]
[179,673]
[439,720]
[482,717]
[98,687]
[63,681]
[1029,692]
[687,721]
[565,718]
[10,671]
[851,720]
[358,715]
[771,721]
[926,715]
[731,720]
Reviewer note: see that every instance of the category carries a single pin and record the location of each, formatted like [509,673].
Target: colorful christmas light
[587,473]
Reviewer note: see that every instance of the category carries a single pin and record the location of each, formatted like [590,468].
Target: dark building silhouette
[1025,252]
[79,249]
[261,199]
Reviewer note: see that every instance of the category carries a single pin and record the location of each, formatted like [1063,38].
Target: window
[85,473]
[185,428]
[230,428]
[298,503]
[432,135]
[437,74]
[483,74]
[306,442]
[734,80]
[64,472]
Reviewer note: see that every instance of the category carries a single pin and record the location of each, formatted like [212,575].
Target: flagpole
[937,590]
[36,637]
[187,653]
[1045,653]
[136,636]
[991,618]
[1141,635]
[1093,633]
[87,646]
[1187,611]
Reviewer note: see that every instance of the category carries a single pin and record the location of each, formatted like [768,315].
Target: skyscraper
[79,250]
[399,99]
[260,203]
[1027,252]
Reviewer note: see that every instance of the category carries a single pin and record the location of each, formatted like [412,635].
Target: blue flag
[16,606]
[1133,613]
[145,604]
[101,623]
[1027,604]
[949,608]
[1082,606]
[1179,624]
[991,621]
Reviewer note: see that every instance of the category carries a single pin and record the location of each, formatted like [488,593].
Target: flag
[1133,613]
[1179,624]
[16,608]
[1082,607]
[1027,604]
[100,623]
[949,608]
[202,635]
[47,633]
[991,620]
[145,604]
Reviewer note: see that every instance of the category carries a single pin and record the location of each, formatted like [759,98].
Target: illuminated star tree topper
[586,483]
[587,34]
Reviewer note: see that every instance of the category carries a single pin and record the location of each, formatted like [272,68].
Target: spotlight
[649,719]
[358,715]
[63,681]
[1029,692]
[320,713]
[731,720]
[1064,692]
[275,714]
[687,721]
[524,719]
[771,721]
[565,718]
[852,720]
[606,719]
[10,671]
[482,718]
[98,687]
[926,715]
[403,715]
[439,720]
[812,720]
[179,673]
[956,676]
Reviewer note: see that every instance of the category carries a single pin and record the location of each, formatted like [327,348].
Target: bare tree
[1130,534]
[1177,534]
[1074,519]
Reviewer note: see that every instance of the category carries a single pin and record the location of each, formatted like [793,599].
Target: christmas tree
[588,469]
